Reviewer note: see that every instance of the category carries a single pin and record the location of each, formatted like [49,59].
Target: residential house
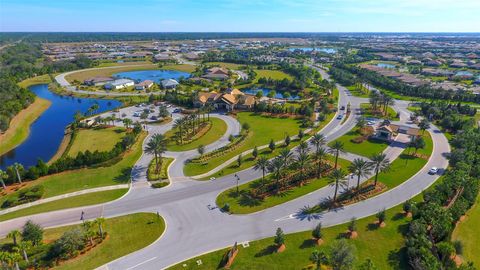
[230,100]
[389,131]
[217,73]
[144,85]
[98,81]
[119,84]
[169,84]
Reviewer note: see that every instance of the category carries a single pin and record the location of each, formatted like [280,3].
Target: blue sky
[241,15]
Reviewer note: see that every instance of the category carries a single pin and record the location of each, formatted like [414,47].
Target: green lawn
[42,79]
[138,230]
[83,75]
[181,67]
[239,206]
[401,169]
[162,174]
[383,246]
[356,92]
[96,139]
[225,65]
[217,130]
[367,148]
[71,181]
[367,112]
[19,128]
[248,160]
[467,232]
[71,202]
[272,74]
[263,129]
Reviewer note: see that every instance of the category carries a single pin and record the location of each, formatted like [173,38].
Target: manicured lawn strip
[238,207]
[272,74]
[356,92]
[367,148]
[81,179]
[383,246]
[248,160]
[19,128]
[264,129]
[427,151]
[366,109]
[82,75]
[96,139]
[181,67]
[467,232]
[162,174]
[42,79]
[401,169]
[218,129]
[125,235]
[71,202]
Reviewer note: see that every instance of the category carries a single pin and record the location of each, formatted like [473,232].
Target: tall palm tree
[127,122]
[339,176]
[319,155]
[89,232]
[387,101]
[262,164]
[178,124]
[14,235]
[302,163]
[318,258]
[276,167]
[99,222]
[361,168]
[286,157]
[3,176]
[156,146]
[23,247]
[302,147]
[318,140]
[17,167]
[379,163]
[336,149]
[424,125]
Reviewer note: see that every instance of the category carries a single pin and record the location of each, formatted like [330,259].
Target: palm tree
[374,98]
[18,166]
[340,179]
[302,147]
[89,232]
[318,258]
[286,157]
[361,168]
[14,235]
[276,167]
[318,140]
[361,122]
[99,222]
[380,163]
[179,124]
[302,162]
[424,125]
[23,247]
[3,176]
[262,164]
[336,149]
[127,122]
[201,149]
[156,146]
[319,155]
[387,101]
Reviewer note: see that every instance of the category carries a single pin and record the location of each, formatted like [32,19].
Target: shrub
[159,184]
[32,232]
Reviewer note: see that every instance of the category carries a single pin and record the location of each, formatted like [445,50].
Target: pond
[309,49]
[46,133]
[266,91]
[153,75]
[386,65]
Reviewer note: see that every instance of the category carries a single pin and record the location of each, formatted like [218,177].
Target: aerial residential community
[240,135]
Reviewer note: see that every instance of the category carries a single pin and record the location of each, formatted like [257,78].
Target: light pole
[238,179]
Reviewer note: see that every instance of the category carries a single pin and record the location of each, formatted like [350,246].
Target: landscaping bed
[163,170]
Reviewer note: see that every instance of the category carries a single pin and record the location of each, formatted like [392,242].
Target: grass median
[71,202]
[95,139]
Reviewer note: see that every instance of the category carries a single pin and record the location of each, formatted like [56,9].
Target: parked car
[433,170]
[177,110]
[342,108]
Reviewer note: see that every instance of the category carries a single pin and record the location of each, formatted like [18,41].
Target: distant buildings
[144,85]
[230,100]
[217,73]
[98,81]
[169,84]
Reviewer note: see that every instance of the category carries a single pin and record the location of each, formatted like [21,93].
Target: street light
[238,179]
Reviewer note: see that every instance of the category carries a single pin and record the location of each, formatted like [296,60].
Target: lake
[309,49]
[153,75]
[265,93]
[46,133]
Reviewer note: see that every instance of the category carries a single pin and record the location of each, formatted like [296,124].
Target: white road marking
[144,262]
[285,218]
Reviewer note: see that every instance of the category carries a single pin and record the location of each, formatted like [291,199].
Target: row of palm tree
[380,101]
[188,125]
[157,145]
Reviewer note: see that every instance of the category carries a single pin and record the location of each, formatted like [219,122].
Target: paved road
[195,226]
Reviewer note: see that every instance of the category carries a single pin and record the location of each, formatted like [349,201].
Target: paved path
[195,226]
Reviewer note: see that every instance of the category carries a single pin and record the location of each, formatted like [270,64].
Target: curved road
[195,226]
